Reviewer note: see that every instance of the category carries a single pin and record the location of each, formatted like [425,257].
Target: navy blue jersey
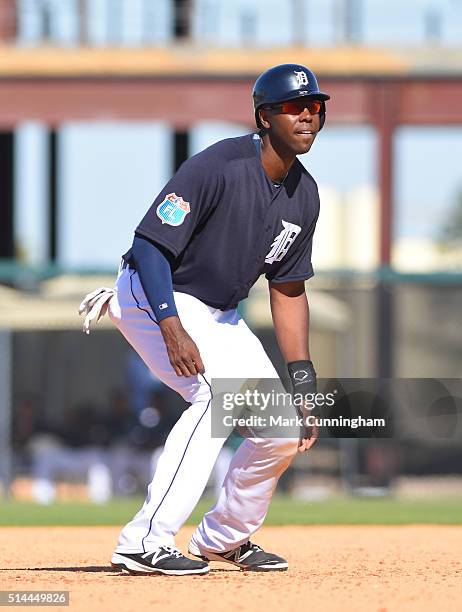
[225,223]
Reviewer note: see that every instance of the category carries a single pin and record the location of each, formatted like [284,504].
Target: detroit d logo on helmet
[173,210]
[302,77]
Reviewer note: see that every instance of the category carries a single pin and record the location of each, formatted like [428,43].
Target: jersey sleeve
[184,203]
[297,264]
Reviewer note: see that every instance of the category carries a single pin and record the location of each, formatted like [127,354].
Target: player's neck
[276,163]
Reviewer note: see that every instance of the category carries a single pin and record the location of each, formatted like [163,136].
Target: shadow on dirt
[81,568]
[97,569]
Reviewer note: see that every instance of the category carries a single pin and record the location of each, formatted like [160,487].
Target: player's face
[294,124]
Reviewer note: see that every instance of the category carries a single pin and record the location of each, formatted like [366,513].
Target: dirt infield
[331,568]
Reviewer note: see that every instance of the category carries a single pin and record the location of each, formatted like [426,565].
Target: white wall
[62,17]
[31,175]
[206,133]
[128,22]
[343,162]
[109,174]
[226,23]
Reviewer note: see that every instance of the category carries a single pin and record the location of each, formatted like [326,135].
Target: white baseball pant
[229,350]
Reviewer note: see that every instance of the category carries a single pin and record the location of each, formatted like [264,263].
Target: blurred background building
[101,101]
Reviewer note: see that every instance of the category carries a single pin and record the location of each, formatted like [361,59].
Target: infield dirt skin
[330,568]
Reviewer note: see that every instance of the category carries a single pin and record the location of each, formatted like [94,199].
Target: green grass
[360,511]
[283,511]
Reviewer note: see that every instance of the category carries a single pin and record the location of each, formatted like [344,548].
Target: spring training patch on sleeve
[173,210]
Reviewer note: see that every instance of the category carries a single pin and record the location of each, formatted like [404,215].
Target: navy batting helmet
[287,82]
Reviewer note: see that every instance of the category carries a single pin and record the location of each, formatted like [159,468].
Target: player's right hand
[182,351]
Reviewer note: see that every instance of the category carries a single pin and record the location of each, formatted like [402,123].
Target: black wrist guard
[302,376]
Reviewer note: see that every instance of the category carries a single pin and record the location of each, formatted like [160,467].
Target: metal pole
[386,113]
[299,22]
[352,23]
[349,448]
[5,410]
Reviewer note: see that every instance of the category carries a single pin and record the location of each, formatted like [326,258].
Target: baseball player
[241,208]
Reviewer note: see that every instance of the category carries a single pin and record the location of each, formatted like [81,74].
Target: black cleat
[249,557]
[164,560]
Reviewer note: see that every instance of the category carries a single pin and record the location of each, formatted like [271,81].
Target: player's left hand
[303,379]
[308,439]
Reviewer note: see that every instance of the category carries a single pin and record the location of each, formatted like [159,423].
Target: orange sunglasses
[296,107]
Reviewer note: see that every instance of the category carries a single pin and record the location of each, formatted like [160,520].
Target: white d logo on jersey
[302,77]
[282,242]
